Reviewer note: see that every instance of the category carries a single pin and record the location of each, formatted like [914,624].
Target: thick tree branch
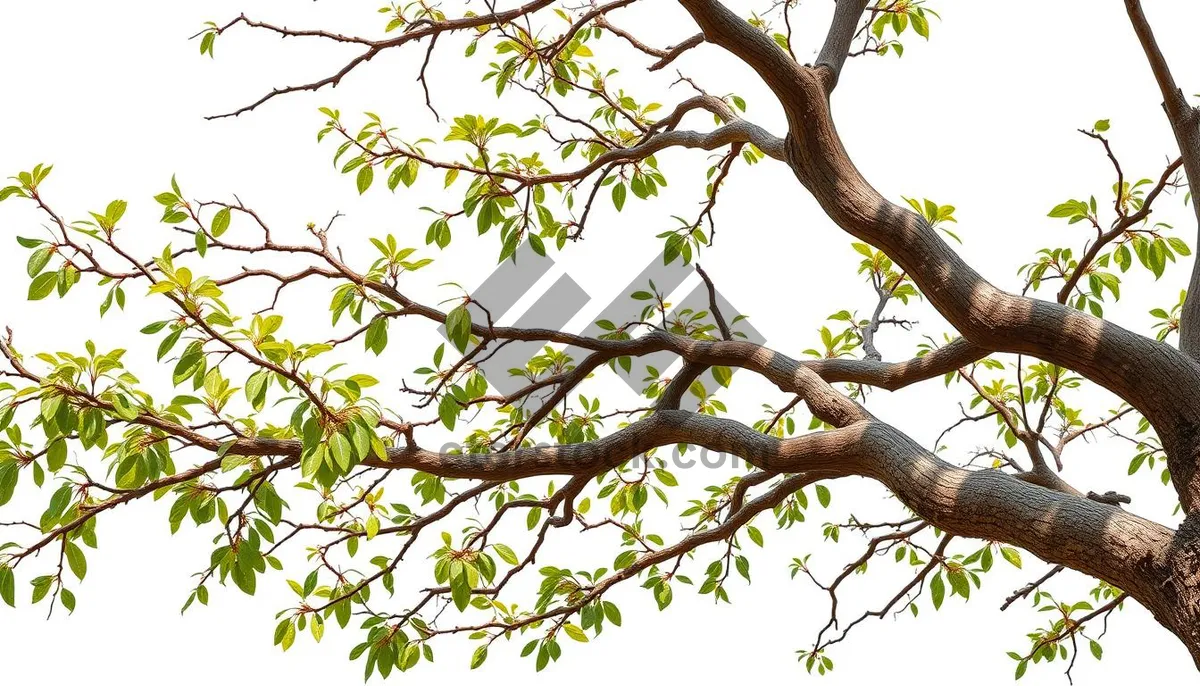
[1153,377]
[846,18]
[1185,124]
[725,28]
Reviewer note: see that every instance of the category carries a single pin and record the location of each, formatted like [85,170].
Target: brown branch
[1185,124]
[1030,587]
[417,31]
[841,33]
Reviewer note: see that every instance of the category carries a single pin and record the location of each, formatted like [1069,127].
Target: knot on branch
[1109,498]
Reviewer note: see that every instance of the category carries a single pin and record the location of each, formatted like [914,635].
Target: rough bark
[1185,124]
[1158,566]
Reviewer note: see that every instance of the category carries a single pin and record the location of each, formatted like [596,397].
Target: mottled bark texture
[1158,566]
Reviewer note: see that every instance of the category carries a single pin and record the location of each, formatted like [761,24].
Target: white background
[983,117]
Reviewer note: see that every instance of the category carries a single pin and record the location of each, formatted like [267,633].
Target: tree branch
[841,33]
[1185,124]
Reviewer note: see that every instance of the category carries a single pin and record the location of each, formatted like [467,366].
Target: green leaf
[1123,257]
[536,243]
[9,473]
[115,210]
[244,579]
[479,656]
[743,566]
[9,191]
[311,460]
[7,586]
[76,561]
[281,631]
[823,495]
[43,285]
[123,408]
[41,586]
[959,583]
[339,445]
[1012,555]
[920,24]
[755,535]
[56,455]
[937,590]
[663,596]
[377,335]
[625,559]
[458,327]
[723,375]
[220,222]
[372,527]
[673,248]
[460,591]
[448,409]
[317,626]
[256,389]
[575,633]
[366,175]
[38,261]
[505,553]
[206,43]
[1179,246]
[618,195]
[1066,210]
